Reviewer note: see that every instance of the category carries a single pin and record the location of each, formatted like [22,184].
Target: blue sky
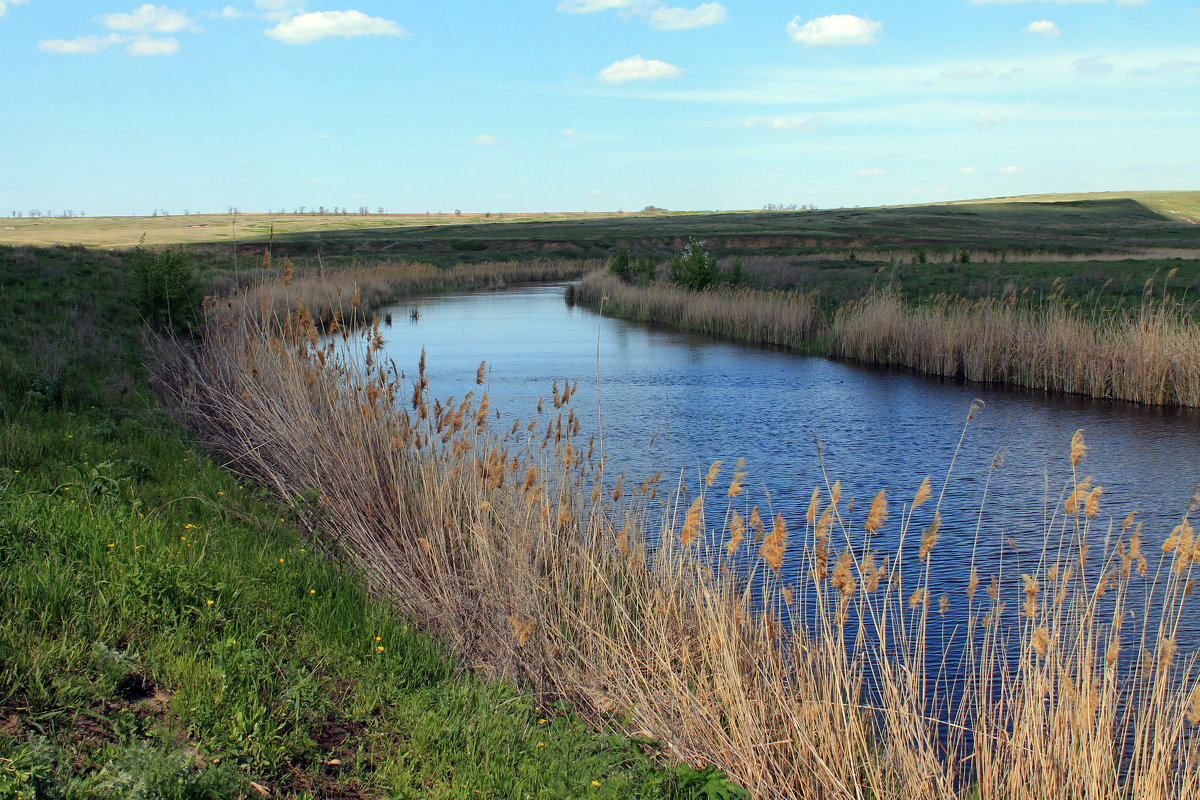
[117,107]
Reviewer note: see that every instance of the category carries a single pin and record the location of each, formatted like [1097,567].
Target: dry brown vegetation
[794,654]
[354,293]
[749,315]
[1150,354]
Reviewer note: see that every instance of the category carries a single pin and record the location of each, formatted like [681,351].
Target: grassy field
[168,629]
[1127,223]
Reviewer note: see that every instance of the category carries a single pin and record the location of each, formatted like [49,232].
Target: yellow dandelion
[208,602]
[312,591]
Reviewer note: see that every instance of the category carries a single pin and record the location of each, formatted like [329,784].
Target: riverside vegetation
[662,608]
[169,629]
[1146,353]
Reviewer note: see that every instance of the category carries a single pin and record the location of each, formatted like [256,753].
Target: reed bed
[352,294]
[1150,355]
[784,319]
[796,655]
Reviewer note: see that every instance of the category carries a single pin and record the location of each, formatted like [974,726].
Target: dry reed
[797,684]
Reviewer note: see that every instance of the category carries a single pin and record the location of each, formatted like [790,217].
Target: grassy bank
[1147,354]
[168,629]
[667,611]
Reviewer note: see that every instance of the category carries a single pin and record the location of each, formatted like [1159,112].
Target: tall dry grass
[353,293]
[784,319]
[1151,355]
[797,655]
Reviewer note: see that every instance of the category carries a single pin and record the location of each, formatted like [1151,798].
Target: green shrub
[694,267]
[167,291]
[621,265]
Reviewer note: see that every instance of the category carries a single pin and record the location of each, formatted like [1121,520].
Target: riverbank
[1149,354]
[171,629]
[632,599]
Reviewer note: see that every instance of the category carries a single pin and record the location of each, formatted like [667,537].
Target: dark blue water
[677,402]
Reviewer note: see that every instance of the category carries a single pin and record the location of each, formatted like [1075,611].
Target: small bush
[694,267]
[167,291]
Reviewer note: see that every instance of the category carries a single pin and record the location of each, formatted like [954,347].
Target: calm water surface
[673,401]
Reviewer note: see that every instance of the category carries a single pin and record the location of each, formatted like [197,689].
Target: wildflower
[312,591]
[596,783]
[302,550]
[137,547]
[112,545]
[541,722]
[220,494]
[188,527]
[208,602]
[379,649]
[379,638]
[541,744]
[281,561]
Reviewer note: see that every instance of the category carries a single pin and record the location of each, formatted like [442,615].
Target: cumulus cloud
[1042,27]
[1096,65]
[966,171]
[229,12]
[988,119]
[680,19]
[863,173]
[1059,2]
[1010,170]
[79,46]
[835,30]
[637,69]
[568,132]
[592,6]
[279,9]
[967,73]
[653,12]
[782,124]
[148,18]
[4,4]
[306,28]
[1175,65]
[486,139]
[152,46]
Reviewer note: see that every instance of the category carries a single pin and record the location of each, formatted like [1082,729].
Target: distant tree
[457,212]
[379,211]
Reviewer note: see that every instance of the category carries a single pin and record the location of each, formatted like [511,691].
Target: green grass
[170,630]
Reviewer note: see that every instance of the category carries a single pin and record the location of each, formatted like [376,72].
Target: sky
[118,107]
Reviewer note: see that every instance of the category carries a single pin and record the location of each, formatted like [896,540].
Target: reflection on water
[674,401]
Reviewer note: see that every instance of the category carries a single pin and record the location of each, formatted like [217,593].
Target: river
[676,402]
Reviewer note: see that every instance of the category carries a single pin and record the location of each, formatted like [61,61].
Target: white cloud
[306,28]
[592,6]
[680,19]
[276,10]
[487,140]
[869,172]
[323,137]
[782,124]
[148,18]
[966,171]
[228,12]
[987,119]
[569,132]
[80,46]
[1096,65]
[4,4]
[1010,170]
[835,30]
[506,196]
[1176,65]
[637,69]
[1042,27]
[153,46]
[968,73]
